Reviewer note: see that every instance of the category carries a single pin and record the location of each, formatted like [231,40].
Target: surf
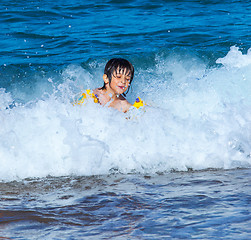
[198,117]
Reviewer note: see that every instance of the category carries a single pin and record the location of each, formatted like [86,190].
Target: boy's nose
[123,79]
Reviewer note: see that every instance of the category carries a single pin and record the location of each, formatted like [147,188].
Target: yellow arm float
[84,96]
[88,94]
[138,103]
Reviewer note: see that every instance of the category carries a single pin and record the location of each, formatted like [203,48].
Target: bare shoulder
[123,104]
[96,91]
[126,103]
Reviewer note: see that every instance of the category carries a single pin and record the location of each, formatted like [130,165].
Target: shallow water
[180,205]
[180,170]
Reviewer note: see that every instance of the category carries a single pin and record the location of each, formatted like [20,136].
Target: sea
[178,169]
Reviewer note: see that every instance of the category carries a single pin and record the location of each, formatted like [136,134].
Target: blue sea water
[181,170]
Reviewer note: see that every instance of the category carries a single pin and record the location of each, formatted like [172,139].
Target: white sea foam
[196,118]
[235,58]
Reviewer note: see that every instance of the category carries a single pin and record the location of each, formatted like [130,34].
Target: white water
[197,118]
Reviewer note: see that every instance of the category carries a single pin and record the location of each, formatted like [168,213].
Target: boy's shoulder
[122,104]
[96,91]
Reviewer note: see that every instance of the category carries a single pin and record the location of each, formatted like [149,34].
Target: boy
[118,75]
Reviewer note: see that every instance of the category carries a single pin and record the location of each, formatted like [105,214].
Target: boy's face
[120,81]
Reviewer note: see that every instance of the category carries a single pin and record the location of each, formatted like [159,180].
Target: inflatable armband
[135,111]
[88,94]
[138,103]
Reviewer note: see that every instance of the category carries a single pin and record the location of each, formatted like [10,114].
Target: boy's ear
[106,79]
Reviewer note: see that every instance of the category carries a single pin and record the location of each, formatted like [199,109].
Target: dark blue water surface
[59,32]
[180,171]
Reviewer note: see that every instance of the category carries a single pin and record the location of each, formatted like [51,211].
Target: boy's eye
[119,76]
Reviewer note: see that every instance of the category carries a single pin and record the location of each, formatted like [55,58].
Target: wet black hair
[118,65]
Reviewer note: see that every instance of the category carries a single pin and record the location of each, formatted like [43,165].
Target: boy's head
[118,66]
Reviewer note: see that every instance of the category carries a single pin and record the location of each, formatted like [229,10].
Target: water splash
[196,118]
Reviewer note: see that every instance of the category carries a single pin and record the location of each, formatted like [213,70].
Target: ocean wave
[197,118]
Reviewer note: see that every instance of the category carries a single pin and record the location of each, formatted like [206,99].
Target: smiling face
[120,81]
[117,69]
